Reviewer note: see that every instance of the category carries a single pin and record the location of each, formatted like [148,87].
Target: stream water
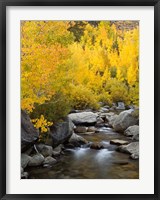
[86,163]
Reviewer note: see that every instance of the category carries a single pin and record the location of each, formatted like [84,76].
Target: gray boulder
[24,160]
[80,129]
[77,140]
[110,118]
[96,145]
[36,160]
[60,133]
[132,148]
[83,118]
[45,150]
[124,120]
[29,134]
[24,175]
[49,161]
[132,130]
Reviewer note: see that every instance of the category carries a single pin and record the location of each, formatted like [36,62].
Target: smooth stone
[118,142]
[24,160]
[36,160]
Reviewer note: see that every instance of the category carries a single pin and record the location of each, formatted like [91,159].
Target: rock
[134,156]
[96,145]
[132,130]
[100,122]
[29,134]
[120,106]
[132,148]
[118,142]
[104,110]
[83,118]
[77,140]
[124,120]
[45,150]
[36,160]
[135,137]
[49,161]
[57,150]
[110,118]
[24,175]
[24,160]
[91,129]
[60,133]
[80,129]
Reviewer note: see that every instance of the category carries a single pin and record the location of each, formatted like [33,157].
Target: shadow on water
[86,163]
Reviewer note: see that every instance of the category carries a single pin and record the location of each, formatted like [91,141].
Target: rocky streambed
[89,145]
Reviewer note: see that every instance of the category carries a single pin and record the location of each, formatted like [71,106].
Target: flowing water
[86,163]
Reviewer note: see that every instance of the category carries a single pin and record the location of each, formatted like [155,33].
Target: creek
[85,163]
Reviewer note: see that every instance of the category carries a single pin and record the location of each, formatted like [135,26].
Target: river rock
[29,134]
[80,129]
[49,161]
[24,160]
[110,118]
[57,150]
[118,142]
[83,118]
[45,150]
[36,160]
[77,140]
[132,130]
[60,133]
[96,145]
[132,148]
[135,137]
[91,129]
[104,110]
[124,120]
[134,156]
[120,106]
[100,122]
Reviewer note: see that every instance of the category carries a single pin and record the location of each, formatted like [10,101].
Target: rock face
[132,148]
[83,118]
[60,133]
[96,145]
[118,142]
[77,140]
[132,131]
[29,134]
[45,150]
[124,120]
[36,160]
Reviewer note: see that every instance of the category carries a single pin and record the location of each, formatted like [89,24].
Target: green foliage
[53,110]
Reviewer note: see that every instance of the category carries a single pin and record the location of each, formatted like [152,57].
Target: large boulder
[29,134]
[110,118]
[132,148]
[77,140]
[132,131]
[45,150]
[36,160]
[83,118]
[60,133]
[124,120]
[80,129]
